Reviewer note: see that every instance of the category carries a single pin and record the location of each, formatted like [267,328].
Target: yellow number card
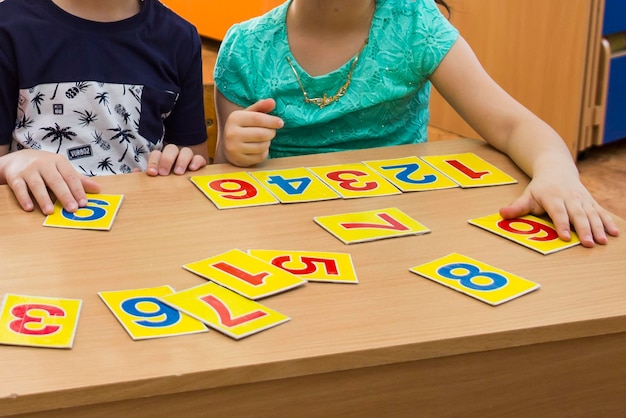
[233,190]
[39,321]
[99,213]
[224,310]
[371,225]
[410,174]
[469,170]
[473,278]
[244,274]
[295,185]
[529,231]
[313,266]
[355,180]
[144,316]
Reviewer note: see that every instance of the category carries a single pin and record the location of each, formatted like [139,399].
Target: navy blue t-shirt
[102,94]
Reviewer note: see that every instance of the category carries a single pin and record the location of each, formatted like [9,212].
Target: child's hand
[40,174]
[566,201]
[178,160]
[249,132]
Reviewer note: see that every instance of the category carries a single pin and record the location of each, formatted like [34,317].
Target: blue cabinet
[614,29]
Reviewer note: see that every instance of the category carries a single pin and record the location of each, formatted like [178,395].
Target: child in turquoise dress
[314,76]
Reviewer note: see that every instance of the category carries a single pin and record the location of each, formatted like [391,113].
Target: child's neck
[100,10]
[321,16]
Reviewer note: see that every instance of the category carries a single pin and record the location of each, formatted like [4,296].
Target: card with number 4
[295,185]
[224,310]
[371,225]
[529,231]
[39,321]
[481,281]
[99,213]
[144,316]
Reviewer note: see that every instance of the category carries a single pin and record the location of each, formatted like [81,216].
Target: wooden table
[394,345]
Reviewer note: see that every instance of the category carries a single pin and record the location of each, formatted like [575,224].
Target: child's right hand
[40,174]
[249,132]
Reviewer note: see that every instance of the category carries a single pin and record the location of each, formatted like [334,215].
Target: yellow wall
[214,17]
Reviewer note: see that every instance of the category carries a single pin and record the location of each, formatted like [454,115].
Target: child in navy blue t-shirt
[91,87]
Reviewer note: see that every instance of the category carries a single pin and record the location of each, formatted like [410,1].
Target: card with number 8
[476,279]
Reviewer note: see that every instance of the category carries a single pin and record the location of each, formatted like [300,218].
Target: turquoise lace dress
[386,103]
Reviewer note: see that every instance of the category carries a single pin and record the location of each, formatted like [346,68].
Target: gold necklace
[325,100]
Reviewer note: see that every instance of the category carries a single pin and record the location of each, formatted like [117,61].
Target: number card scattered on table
[529,231]
[469,170]
[355,180]
[233,190]
[99,213]
[371,225]
[39,321]
[295,185]
[144,316]
[244,274]
[410,174]
[313,266]
[473,278]
[224,310]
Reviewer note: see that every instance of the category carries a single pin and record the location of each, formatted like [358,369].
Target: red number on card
[392,224]
[29,324]
[330,265]
[224,313]
[466,170]
[253,279]
[242,190]
[549,233]
[348,184]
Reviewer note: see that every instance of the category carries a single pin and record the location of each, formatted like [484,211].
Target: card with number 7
[530,231]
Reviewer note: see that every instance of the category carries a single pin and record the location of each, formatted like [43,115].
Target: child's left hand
[177,160]
[567,202]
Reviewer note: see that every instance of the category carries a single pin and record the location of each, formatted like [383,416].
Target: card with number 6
[529,231]
[144,316]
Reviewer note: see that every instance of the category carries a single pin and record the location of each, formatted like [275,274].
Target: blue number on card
[407,170]
[472,271]
[93,205]
[287,184]
[166,315]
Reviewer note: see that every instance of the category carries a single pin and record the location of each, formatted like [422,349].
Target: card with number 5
[99,213]
[481,281]
[529,231]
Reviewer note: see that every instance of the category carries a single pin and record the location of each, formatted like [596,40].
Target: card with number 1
[469,170]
